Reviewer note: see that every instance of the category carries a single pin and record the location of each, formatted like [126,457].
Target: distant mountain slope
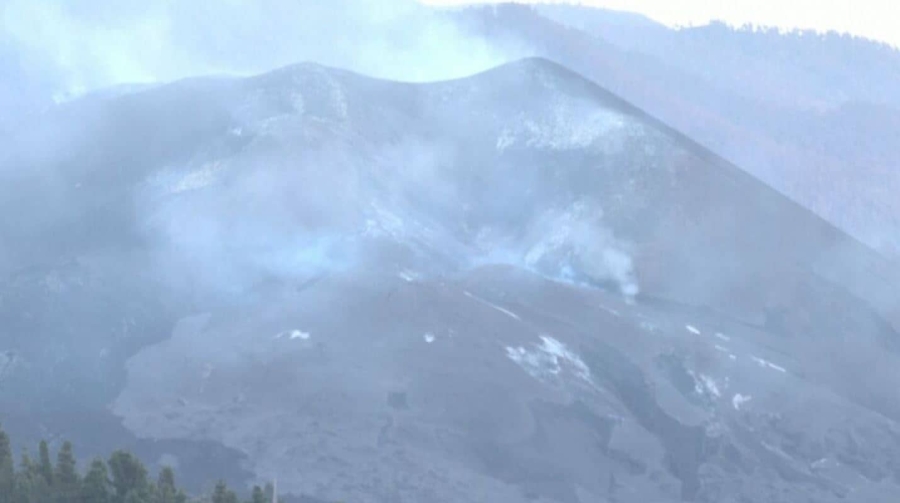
[801,69]
[759,98]
[511,287]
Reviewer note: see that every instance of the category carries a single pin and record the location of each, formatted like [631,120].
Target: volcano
[509,287]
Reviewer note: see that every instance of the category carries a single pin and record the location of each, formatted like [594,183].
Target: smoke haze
[68,48]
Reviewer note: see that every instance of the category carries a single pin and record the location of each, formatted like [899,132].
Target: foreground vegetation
[120,479]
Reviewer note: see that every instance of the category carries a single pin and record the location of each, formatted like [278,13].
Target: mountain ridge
[760,121]
[508,286]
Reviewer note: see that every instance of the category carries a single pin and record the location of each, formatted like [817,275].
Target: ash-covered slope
[510,287]
[813,115]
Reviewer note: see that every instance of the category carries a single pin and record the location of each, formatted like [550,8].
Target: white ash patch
[294,335]
[549,358]
[172,182]
[705,385]
[408,276]
[494,306]
[722,349]
[610,310]
[767,364]
[738,400]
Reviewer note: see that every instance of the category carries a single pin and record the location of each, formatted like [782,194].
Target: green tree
[270,493]
[30,484]
[7,469]
[221,494]
[166,490]
[128,476]
[166,479]
[136,496]
[96,487]
[45,467]
[258,496]
[23,488]
[165,486]
[122,480]
[68,483]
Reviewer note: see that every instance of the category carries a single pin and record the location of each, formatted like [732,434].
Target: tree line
[120,479]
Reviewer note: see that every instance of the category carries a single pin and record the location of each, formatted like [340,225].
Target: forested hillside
[122,478]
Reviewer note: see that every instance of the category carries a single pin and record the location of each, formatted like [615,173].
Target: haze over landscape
[872,19]
[384,251]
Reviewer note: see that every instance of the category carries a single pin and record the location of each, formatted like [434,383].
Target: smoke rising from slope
[229,224]
[576,245]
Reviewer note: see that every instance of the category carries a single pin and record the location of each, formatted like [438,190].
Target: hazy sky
[876,19]
[68,47]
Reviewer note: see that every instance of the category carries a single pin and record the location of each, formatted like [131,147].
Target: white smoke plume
[81,45]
